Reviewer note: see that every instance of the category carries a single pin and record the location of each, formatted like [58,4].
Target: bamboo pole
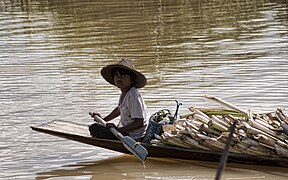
[241,134]
[172,140]
[224,136]
[281,151]
[264,139]
[283,120]
[208,130]
[201,118]
[226,104]
[251,130]
[252,150]
[192,126]
[218,120]
[215,125]
[219,112]
[249,142]
[264,129]
[212,142]
[196,144]
[280,115]
[281,143]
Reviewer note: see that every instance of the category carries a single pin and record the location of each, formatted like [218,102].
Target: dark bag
[156,121]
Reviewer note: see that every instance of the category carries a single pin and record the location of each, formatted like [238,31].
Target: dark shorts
[99,131]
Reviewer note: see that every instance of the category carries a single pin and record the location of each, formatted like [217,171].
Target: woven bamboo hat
[107,73]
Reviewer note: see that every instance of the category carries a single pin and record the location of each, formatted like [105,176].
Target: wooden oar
[130,144]
[225,153]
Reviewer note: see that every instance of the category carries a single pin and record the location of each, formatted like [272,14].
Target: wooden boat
[80,133]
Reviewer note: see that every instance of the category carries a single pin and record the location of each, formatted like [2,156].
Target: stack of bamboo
[256,134]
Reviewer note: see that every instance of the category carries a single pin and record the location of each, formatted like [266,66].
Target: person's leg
[99,131]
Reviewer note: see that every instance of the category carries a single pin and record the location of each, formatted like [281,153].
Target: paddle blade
[135,148]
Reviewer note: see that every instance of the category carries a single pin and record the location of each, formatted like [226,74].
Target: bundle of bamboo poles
[206,128]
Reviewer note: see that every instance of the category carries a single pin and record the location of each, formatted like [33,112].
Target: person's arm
[115,113]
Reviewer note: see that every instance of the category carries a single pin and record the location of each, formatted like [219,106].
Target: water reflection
[127,167]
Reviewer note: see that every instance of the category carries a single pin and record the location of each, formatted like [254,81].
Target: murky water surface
[52,52]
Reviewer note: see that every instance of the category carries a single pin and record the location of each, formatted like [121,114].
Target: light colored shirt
[131,107]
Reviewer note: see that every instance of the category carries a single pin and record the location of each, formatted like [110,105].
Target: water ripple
[52,52]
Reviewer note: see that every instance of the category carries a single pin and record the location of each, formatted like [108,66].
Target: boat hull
[80,133]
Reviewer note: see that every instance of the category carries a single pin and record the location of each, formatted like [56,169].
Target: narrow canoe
[80,133]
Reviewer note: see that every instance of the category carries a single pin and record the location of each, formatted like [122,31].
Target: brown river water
[52,51]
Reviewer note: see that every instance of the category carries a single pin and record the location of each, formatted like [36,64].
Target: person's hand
[111,125]
[93,114]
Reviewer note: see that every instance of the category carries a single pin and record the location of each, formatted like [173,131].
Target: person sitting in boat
[134,115]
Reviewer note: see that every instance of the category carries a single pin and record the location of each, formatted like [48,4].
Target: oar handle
[100,120]
[112,130]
